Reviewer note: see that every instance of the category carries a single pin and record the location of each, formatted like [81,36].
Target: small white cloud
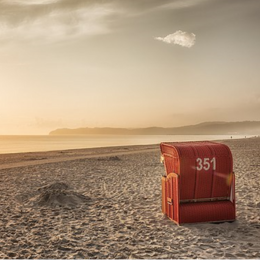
[179,37]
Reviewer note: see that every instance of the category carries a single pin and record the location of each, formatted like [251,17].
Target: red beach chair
[199,185]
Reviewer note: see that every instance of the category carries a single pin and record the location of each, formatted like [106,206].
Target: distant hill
[206,128]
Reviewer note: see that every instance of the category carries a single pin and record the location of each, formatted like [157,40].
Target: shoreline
[110,207]
[12,160]
[20,159]
[29,144]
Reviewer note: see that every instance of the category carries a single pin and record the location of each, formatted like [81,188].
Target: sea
[38,143]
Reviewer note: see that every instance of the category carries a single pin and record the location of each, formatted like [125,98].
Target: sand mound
[58,194]
[114,158]
[111,158]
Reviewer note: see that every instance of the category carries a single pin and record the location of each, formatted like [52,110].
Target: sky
[127,63]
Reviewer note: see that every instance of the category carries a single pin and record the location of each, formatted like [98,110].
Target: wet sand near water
[106,203]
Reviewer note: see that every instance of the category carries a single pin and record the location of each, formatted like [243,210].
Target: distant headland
[206,128]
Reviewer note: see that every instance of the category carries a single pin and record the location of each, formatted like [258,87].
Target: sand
[106,203]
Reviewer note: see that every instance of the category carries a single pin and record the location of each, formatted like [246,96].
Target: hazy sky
[127,63]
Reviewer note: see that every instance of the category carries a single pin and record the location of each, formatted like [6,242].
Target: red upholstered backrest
[204,168]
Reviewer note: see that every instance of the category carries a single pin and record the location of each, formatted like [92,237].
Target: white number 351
[206,164]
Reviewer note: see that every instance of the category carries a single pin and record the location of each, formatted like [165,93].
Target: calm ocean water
[17,144]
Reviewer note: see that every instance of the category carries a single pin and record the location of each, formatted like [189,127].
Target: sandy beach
[106,203]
